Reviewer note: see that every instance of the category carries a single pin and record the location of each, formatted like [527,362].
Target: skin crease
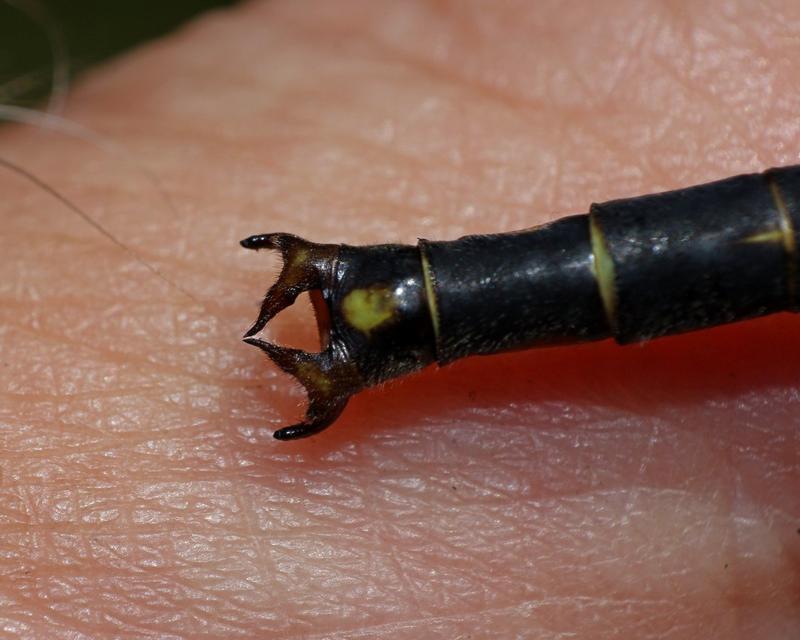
[594,492]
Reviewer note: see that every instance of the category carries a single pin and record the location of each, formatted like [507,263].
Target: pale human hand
[592,492]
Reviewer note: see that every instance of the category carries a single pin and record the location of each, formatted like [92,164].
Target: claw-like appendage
[372,315]
[303,265]
[326,384]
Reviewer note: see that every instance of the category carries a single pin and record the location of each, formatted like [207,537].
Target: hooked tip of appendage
[327,394]
[319,416]
[279,241]
[296,431]
[286,359]
[257,326]
[260,241]
[289,433]
[249,243]
[257,342]
[302,430]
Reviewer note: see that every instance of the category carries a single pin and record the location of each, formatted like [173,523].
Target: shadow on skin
[676,372]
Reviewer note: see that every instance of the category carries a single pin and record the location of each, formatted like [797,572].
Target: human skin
[593,492]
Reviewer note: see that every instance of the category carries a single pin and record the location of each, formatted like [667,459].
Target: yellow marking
[603,267]
[299,257]
[367,309]
[430,292]
[788,237]
[310,373]
[776,235]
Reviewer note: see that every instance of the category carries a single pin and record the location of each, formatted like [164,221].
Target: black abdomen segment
[515,290]
[631,269]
